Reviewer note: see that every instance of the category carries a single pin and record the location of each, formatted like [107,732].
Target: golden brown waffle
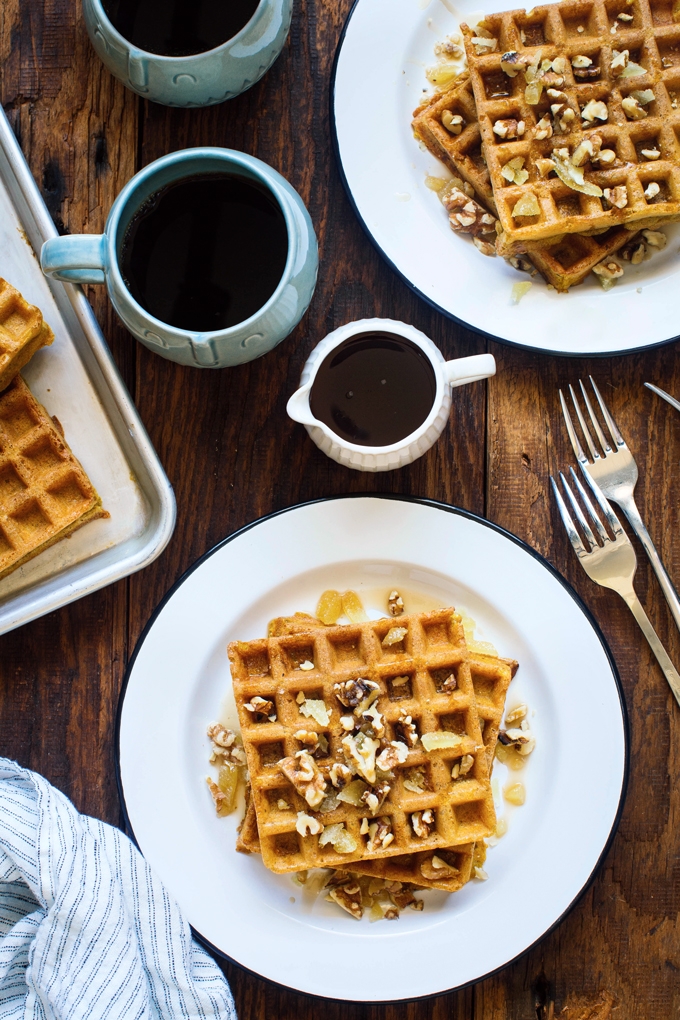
[651,40]
[433,645]
[22,332]
[491,678]
[563,263]
[44,492]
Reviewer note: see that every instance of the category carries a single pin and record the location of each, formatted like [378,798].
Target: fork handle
[662,658]
[631,511]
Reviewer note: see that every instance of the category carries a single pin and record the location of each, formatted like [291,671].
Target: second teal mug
[88,258]
[200,79]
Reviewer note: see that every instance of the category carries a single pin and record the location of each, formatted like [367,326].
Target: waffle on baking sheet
[592,86]
[564,261]
[448,869]
[22,332]
[44,493]
[406,681]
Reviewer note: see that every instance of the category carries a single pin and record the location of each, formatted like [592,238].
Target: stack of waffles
[369,746]
[44,493]
[564,134]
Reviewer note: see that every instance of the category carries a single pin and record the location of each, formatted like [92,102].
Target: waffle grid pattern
[44,492]
[652,39]
[22,332]
[491,678]
[565,261]
[269,668]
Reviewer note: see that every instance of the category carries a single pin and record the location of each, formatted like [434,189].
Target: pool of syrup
[374,389]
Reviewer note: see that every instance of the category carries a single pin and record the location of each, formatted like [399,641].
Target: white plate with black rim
[178,682]
[379,79]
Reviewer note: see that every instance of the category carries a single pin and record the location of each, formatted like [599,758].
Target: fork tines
[611,424]
[575,538]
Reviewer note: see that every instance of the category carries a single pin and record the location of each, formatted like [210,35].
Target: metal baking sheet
[76,380]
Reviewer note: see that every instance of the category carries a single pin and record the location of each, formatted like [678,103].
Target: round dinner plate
[178,683]
[379,80]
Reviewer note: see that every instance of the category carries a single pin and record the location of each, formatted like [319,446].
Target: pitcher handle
[466,370]
[75,258]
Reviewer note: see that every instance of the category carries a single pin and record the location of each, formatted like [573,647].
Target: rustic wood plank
[622,938]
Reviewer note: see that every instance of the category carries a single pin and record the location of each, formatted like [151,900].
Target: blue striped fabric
[86,928]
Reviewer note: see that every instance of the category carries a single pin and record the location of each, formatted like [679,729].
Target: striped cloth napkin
[86,928]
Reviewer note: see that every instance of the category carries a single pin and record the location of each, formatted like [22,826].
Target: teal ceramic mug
[199,79]
[88,258]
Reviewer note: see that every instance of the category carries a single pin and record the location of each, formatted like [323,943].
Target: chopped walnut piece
[469,217]
[652,190]
[306,777]
[379,832]
[485,247]
[617,197]
[282,804]
[453,122]
[376,797]
[624,17]
[404,897]
[450,684]
[220,799]
[353,693]
[395,603]
[466,763]
[580,62]
[400,681]
[307,825]
[582,153]
[508,128]
[605,156]
[544,128]
[633,108]
[422,823]
[306,665]
[221,735]
[635,251]
[406,729]
[596,109]
[308,738]
[608,272]
[619,61]
[435,867]
[650,154]
[261,707]
[516,715]
[339,775]
[545,167]
[481,874]
[483,45]
[394,754]
[512,63]
[361,751]
[347,722]
[655,238]
[348,896]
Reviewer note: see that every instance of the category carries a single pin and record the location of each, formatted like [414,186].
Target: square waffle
[590,69]
[563,261]
[44,492]
[433,645]
[491,678]
[22,332]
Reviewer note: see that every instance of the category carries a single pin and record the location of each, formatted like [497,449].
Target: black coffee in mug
[374,389]
[205,252]
[179,28]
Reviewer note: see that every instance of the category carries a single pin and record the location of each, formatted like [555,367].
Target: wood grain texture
[233,455]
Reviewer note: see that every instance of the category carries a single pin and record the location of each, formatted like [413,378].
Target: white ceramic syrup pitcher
[386,458]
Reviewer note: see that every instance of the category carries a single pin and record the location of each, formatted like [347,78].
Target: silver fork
[616,474]
[612,563]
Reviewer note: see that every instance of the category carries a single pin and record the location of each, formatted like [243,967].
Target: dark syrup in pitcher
[205,252]
[178,28]
[374,389]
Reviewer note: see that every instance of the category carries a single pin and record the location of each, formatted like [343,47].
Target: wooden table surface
[232,455]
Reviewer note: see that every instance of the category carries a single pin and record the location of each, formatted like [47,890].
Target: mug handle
[75,258]
[467,370]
